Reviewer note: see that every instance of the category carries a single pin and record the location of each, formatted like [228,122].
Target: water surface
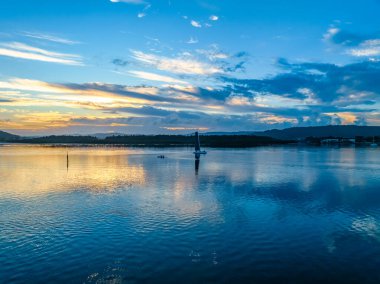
[117,215]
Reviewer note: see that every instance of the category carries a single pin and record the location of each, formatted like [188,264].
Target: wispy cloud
[192,41]
[143,13]
[129,1]
[24,51]
[50,37]
[180,65]
[213,53]
[330,33]
[156,77]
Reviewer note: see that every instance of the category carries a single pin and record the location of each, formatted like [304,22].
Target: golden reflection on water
[34,170]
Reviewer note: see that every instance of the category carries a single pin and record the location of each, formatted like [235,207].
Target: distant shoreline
[72,145]
[343,135]
[83,145]
[158,141]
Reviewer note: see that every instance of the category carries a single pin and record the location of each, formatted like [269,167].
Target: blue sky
[171,66]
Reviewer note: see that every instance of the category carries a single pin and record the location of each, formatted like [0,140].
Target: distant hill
[5,136]
[347,131]
[293,133]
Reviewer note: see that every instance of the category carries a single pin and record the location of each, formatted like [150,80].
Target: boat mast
[197,142]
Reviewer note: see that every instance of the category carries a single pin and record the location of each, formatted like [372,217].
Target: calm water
[284,215]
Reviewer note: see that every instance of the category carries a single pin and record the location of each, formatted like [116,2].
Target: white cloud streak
[156,77]
[24,51]
[49,37]
[365,52]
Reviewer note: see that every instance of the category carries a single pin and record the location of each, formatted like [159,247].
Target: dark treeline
[236,141]
[206,141]
[59,139]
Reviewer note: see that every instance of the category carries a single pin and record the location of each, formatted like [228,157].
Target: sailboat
[373,144]
[198,150]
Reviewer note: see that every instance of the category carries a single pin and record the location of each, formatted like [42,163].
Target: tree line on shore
[235,141]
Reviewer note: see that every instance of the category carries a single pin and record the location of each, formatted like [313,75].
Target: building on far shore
[338,141]
[342,141]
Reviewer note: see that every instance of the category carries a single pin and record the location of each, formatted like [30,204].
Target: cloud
[360,120]
[180,65]
[155,77]
[301,94]
[367,48]
[141,15]
[328,85]
[192,40]
[229,63]
[49,37]
[24,51]
[371,42]
[102,92]
[359,45]
[214,18]
[120,62]
[213,54]
[341,37]
[195,24]
[365,52]
[203,62]
[5,100]
[137,2]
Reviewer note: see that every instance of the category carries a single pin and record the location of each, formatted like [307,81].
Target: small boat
[373,144]
[198,150]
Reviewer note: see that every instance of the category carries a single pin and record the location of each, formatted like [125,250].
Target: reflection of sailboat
[198,145]
[373,144]
[67,160]
[197,160]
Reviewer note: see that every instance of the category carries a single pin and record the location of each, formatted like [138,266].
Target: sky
[175,66]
